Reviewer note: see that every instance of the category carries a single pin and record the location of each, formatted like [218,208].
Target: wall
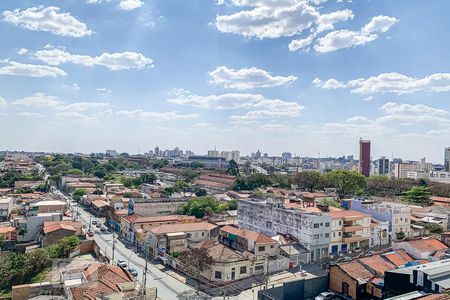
[153,209]
[27,291]
[338,277]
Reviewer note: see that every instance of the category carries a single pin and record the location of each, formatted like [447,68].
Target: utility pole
[145,272]
[90,222]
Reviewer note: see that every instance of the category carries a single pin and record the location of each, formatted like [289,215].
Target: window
[339,233]
[327,235]
[406,219]
[327,224]
[396,221]
[321,224]
[261,248]
[401,219]
[340,223]
[203,233]
[316,225]
[243,270]
[269,224]
[316,237]
[188,235]
[334,234]
[218,275]
[272,246]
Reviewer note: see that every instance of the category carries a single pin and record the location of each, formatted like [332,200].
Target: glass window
[218,275]
[243,270]
[261,248]
[327,224]
[327,235]
[316,225]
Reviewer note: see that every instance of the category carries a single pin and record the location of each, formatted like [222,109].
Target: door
[344,248]
[345,288]
[334,249]
[233,275]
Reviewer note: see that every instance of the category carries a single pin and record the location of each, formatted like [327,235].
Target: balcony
[353,239]
[352,228]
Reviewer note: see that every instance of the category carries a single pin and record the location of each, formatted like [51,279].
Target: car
[133,272]
[98,225]
[90,233]
[84,225]
[94,222]
[122,263]
[325,296]
[103,228]
[347,258]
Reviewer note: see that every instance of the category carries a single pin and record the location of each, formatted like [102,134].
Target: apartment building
[350,230]
[6,206]
[398,215]
[271,217]
[153,207]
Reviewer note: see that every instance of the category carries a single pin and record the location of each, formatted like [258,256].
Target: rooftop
[377,263]
[184,227]
[256,237]
[219,252]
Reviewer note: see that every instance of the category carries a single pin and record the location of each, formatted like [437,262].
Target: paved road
[168,287]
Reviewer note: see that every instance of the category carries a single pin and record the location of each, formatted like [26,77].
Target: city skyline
[134,74]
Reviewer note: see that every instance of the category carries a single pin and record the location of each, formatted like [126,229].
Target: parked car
[133,272]
[103,228]
[94,222]
[122,263]
[325,296]
[90,233]
[98,225]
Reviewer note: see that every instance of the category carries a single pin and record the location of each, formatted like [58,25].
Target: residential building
[379,233]
[350,230]
[213,153]
[104,279]
[229,265]
[230,155]
[8,233]
[430,249]
[247,240]
[215,182]
[158,237]
[364,157]
[30,227]
[52,232]
[6,206]
[398,215]
[271,217]
[50,206]
[439,176]
[112,153]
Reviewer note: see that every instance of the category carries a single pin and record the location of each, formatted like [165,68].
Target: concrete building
[50,206]
[213,153]
[447,159]
[350,230]
[30,228]
[312,229]
[383,166]
[6,206]
[379,233]
[207,161]
[398,215]
[155,207]
[439,176]
[364,157]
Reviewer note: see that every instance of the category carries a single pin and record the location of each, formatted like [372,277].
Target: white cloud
[130,4]
[112,61]
[298,44]
[330,84]
[396,108]
[29,114]
[47,19]
[368,98]
[395,83]
[223,101]
[327,21]
[341,39]
[18,69]
[22,51]
[380,24]
[2,102]
[247,78]
[268,18]
[104,90]
[151,115]
[41,100]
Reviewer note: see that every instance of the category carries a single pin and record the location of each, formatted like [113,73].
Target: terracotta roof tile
[219,252]
[73,224]
[377,263]
[182,227]
[356,270]
[396,259]
[438,245]
[404,255]
[5,230]
[436,297]
[258,238]
[347,214]
[58,226]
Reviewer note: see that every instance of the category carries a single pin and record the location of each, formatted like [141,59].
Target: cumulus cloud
[327,21]
[130,4]
[268,18]
[341,39]
[152,115]
[2,102]
[48,19]
[13,68]
[29,114]
[41,100]
[298,44]
[330,84]
[247,78]
[395,83]
[403,108]
[113,61]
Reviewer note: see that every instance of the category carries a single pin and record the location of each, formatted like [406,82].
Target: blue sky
[276,75]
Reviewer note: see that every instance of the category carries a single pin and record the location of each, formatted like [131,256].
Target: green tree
[346,182]
[433,228]
[199,192]
[168,191]
[199,207]
[78,194]
[233,168]
[252,182]
[418,195]
[400,235]
[188,175]
[182,186]
[147,178]
[308,180]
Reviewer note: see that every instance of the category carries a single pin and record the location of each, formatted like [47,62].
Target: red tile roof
[257,237]
[356,270]
[438,245]
[5,230]
[427,245]
[347,214]
[219,252]
[182,227]
[132,218]
[404,255]
[377,263]
[69,225]
[396,259]
[58,226]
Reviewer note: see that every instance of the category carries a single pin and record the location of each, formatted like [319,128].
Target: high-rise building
[213,153]
[364,157]
[447,159]
[156,151]
[285,156]
[258,154]
[383,166]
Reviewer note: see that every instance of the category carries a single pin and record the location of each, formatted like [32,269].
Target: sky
[304,76]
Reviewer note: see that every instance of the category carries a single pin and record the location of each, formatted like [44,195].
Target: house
[431,249]
[25,185]
[194,232]
[379,233]
[29,228]
[50,206]
[6,206]
[376,264]
[247,240]
[399,258]
[351,279]
[8,233]
[214,182]
[292,249]
[350,230]
[441,201]
[104,279]
[228,264]
[153,207]
[52,232]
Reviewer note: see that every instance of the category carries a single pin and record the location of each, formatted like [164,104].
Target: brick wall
[338,277]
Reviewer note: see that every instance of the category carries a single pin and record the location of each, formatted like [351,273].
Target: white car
[325,296]
[122,263]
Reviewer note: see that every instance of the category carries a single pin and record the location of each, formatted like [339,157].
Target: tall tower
[364,157]
[447,159]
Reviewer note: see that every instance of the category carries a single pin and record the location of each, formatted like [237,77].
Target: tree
[433,228]
[147,178]
[418,195]
[127,195]
[196,261]
[199,192]
[188,175]
[182,186]
[199,207]
[233,168]
[2,241]
[309,180]
[252,182]
[400,235]
[168,191]
[346,182]
[78,194]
